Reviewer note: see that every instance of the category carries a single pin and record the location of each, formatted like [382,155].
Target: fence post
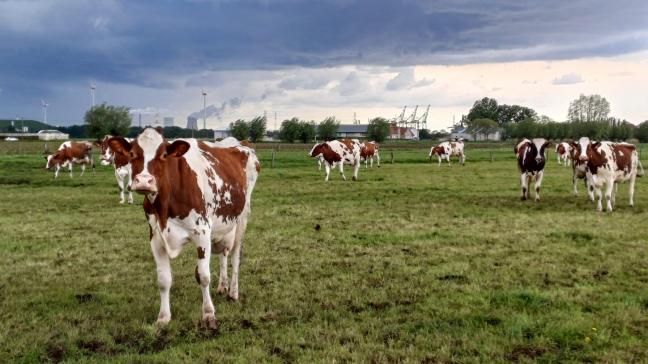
[274,151]
[392,157]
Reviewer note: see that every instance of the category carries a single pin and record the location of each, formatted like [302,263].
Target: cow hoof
[162,321]
[222,288]
[234,296]
[523,198]
[354,178]
[209,322]
[121,202]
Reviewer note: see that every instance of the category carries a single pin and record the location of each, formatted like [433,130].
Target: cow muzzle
[144,184]
[539,159]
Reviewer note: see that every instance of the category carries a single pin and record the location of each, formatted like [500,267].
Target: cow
[194,191]
[579,167]
[340,152]
[447,149]
[609,164]
[531,162]
[68,154]
[563,153]
[121,164]
[369,151]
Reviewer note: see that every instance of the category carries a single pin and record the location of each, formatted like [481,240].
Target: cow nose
[583,158]
[143,183]
[538,159]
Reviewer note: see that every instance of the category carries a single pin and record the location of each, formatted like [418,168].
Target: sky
[312,59]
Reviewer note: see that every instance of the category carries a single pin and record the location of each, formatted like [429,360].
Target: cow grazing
[340,152]
[563,153]
[194,191]
[447,149]
[68,154]
[531,162]
[122,166]
[609,164]
[369,151]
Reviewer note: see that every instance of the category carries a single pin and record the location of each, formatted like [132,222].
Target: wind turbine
[92,92]
[44,105]
[204,94]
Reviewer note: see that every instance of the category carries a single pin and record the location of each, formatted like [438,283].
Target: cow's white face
[540,144]
[582,145]
[49,163]
[149,143]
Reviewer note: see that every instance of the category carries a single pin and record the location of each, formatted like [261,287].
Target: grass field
[413,263]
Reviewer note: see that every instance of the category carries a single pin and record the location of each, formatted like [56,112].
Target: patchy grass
[413,263]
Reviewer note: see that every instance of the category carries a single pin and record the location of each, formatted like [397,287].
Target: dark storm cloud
[149,43]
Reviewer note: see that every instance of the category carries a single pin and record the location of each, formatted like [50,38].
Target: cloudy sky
[311,58]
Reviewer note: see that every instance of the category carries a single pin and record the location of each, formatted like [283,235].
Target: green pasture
[414,263]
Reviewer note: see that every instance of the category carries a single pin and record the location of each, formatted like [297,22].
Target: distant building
[222,133]
[168,121]
[463,133]
[352,131]
[400,132]
[192,123]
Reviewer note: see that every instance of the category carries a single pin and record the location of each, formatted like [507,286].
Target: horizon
[316,59]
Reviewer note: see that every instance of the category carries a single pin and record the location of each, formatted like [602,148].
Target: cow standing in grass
[121,163]
[609,164]
[194,191]
[369,151]
[449,149]
[579,167]
[531,162]
[69,154]
[563,153]
[339,152]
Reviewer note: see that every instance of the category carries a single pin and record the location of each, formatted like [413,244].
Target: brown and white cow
[122,166]
[579,168]
[447,149]
[563,153]
[369,151]
[609,164]
[194,191]
[68,154]
[531,162]
[340,152]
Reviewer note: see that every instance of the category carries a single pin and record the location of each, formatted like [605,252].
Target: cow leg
[523,181]
[327,168]
[631,188]
[356,167]
[463,159]
[226,244]
[599,195]
[614,194]
[378,159]
[574,183]
[537,184]
[70,167]
[558,157]
[609,188]
[120,184]
[439,161]
[56,171]
[342,170]
[82,170]
[319,164]
[130,193]
[203,277]
[236,259]
[448,159]
[163,267]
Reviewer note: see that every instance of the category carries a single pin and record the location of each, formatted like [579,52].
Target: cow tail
[640,170]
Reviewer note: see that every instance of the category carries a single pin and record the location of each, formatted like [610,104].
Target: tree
[378,129]
[425,134]
[107,119]
[642,132]
[485,108]
[289,131]
[513,114]
[240,129]
[485,126]
[328,128]
[592,108]
[307,131]
[257,128]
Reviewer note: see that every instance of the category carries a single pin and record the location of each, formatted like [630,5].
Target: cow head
[538,146]
[149,155]
[317,150]
[582,148]
[107,155]
[54,159]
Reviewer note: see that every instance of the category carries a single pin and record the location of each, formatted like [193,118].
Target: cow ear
[595,144]
[97,143]
[177,149]
[119,145]
[548,143]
